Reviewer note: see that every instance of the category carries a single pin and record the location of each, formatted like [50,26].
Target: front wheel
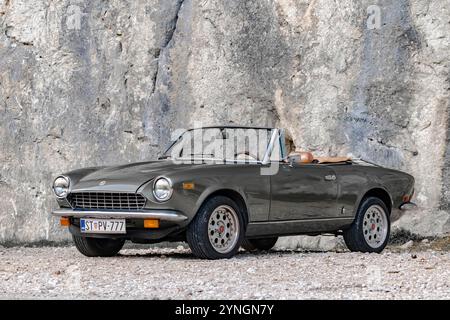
[370,230]
[98,247]
[217,230]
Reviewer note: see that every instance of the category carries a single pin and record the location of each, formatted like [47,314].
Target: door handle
[330,177]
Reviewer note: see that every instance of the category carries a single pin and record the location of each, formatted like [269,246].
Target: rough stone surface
[63,273]
[111,88]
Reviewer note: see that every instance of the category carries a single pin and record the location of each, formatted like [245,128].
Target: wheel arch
[233,195]
[381,194]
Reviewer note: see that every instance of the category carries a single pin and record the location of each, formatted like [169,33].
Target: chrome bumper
[164,215]
[408,206]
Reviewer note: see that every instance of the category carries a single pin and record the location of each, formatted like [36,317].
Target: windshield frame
[277,134]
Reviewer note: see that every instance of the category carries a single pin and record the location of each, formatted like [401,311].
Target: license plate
[102,225]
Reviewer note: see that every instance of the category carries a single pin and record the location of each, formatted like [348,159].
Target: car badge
[102,183]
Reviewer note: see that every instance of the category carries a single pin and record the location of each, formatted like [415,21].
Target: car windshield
[222,144]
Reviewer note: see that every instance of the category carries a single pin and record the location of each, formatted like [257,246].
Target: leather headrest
[302,157]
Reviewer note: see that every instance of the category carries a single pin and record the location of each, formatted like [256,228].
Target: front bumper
[163,215]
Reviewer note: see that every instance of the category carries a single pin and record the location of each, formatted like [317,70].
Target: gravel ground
[157,273]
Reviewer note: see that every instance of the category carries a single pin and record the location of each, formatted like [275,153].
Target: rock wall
[102,82]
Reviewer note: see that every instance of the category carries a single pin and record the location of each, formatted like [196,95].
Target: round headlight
[61,186]
[162,189]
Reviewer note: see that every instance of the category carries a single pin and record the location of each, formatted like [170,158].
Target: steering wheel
[245,156]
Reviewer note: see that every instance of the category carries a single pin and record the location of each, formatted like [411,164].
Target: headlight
[162,189]
[61,186]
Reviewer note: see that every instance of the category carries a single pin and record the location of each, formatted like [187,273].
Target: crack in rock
[13,39]
[169,38]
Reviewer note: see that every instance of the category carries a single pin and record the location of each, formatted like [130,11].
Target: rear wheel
[217,230]
[259,244]
[370,230]
[98,247]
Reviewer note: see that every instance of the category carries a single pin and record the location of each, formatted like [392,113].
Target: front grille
[106,200]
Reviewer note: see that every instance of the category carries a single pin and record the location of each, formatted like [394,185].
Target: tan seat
[332,159]
[302,157]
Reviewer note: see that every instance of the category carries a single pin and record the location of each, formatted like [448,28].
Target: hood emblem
[102,183]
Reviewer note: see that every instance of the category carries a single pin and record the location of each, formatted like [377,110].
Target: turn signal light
[188,185]
[151,223]
[64,221]
[406,198]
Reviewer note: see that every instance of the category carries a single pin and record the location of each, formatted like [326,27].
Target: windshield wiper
[200,155]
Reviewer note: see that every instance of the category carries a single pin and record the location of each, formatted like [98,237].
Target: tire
[259,244]
[217,230]
[98,247]
[370,230]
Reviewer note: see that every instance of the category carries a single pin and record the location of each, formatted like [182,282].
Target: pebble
[63,273]
[407,245]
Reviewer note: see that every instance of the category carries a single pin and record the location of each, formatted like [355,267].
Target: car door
[303,192]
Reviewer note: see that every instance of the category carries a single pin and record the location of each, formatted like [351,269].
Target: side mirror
[301,157]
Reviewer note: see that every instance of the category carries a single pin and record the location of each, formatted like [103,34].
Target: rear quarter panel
[356,180]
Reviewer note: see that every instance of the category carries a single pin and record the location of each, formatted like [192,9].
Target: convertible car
[219,200]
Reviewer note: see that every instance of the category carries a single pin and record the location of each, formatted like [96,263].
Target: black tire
[354,236]
[259,244]
[98,247]
[197,232]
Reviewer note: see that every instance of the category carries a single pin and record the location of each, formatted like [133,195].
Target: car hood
[124,178]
